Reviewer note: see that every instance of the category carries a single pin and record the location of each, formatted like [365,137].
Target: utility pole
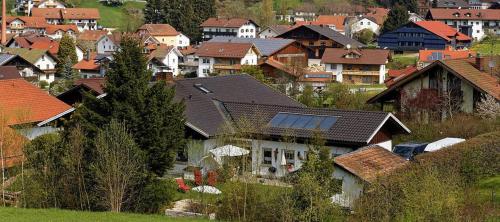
[4,23]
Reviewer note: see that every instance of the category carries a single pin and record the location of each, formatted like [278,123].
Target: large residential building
[225,58]
[442,87]
[58,31]
[416,36]
[359,23]
[84,18]
[23,24]
[42,59]
[235,27]
[475,23]
[356,66]
[163,60]
[335,22]
[165,34]
[273,31]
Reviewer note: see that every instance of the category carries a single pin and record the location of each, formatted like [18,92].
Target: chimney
[479,62]
[4,24]
[87,55]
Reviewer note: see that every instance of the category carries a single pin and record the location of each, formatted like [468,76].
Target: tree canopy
[397,17]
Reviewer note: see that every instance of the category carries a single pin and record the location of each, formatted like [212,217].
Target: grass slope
[486,47]
[54,215]
[112,17]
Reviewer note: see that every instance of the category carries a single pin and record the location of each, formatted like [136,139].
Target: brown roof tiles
[366,56]
[159,29]
[225,23]
[224,49]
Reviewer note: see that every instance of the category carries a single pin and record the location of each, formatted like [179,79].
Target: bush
[43,84]
[436,187]
[155,196]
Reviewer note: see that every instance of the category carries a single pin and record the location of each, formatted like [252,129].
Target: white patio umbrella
[207,189]
[442,143]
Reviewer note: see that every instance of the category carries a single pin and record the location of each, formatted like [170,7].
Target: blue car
[409,150]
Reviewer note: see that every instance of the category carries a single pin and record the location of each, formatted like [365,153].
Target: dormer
[467,14]
[456,14]
[352,54]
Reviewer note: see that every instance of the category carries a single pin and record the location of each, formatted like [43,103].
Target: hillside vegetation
[123,17]
[46,215]
[459,183]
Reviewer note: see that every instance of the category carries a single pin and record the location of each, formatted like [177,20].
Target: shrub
[156,195]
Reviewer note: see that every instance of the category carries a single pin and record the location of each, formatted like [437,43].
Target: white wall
[247,31]
[267,33]
[44,4]
[336,69]
[202,66]
[105,45]
[79,53]
[250,58]
[364,24]
[182,40]
[352,186]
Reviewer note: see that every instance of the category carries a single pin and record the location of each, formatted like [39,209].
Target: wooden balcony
[360,73]
[227,66]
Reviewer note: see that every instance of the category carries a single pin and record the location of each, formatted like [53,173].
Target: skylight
[202,88]
[303,121]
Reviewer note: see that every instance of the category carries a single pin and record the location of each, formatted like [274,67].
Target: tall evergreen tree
[67,49]
[397,17]
[411,5]
[153,11]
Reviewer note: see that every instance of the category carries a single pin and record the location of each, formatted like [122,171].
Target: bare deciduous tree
[118,166]
[488,108]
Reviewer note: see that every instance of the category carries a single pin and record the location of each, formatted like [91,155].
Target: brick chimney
[4,24]
[480,62]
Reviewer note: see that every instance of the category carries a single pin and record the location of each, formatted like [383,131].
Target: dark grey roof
[9,72]
[353,127]
[6,57]
[452,4]
[203,110]
[328,33]
[266,46]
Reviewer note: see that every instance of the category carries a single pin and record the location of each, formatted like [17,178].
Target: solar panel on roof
[302,121]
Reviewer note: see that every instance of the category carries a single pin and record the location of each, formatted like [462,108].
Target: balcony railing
[227,66]
[360,73]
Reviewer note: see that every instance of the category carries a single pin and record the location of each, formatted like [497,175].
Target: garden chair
[198,178]
[182,186]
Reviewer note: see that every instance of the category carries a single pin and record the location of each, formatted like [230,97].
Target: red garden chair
[182,186]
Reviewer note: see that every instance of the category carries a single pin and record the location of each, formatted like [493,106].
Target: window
[367,79]
[289,156]
[477,31]
[251,30]
[47,76]
[43,57]
[206,61]
[267,155]
[48,66]
[38,66]
[227,30]
[368,23]
[246,30]
[361,23]
[242,31]
[206,71]
[349,67]
[333,66]
[311,43]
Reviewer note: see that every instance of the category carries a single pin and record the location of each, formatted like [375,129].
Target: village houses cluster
[313,50]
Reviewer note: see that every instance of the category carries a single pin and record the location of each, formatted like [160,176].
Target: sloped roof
[329,33]
[464,14]
[23,102]
[51,46]
[95,84]
[336,20]
[223,49]
[370,162]
[226,23]
[424,55]
[366,56]
[160,29]
[30,21]
[92,35]
[30,55]
[202,109]
[9,72]
[267,47]
[66,13]
[452,4]
[380,14]
[6,57]
[442,30]
[462,68]
[395,75]
[89,64]
[280,28]
[52,29]
[161,51]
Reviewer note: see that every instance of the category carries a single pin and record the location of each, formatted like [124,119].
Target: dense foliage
[397,17]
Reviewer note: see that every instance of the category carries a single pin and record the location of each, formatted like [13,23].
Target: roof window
[202,88]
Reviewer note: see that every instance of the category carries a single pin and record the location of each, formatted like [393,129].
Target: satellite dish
[348,46]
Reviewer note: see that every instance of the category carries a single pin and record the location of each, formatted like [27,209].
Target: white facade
[19,26]
[60,33]
[206,64]
[352,187]
[267,33]
[479,28]
[105,45]
[364,23]
[247,31]
[169,64]
[84,24]
[79,53]
[337,69]
[182,41]
[51,4]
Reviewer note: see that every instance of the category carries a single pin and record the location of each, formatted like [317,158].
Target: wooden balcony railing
[360,73]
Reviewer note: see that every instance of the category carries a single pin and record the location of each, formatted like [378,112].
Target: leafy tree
[254,71]
[365,36]
[307,97]
[267,13]
[397,17]
[66,53]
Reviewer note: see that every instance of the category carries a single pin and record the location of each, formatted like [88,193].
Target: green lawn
[489,189]
[486,47]
[54,215]
[113,17]
[401,61]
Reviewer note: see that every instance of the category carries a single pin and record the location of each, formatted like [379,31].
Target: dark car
[409,150]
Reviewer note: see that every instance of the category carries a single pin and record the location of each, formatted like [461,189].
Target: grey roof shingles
[266,46]
[6,57]
[334,35]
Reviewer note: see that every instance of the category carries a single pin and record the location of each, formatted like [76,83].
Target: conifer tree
[397,17]
[67,49]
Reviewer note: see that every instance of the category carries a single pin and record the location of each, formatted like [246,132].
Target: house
[237,27]
[75,95]
[359,23]
[318,38]
[29,108]
[291,16]
[91,35]
[483,4]
[273,31]
[50,4]
[83,18]
[188,63]
[335,22]
[414,17]
[108,44]
[426,57]
[451,4]
[442,87]
[164,59]
[246,104]
[359,168]
[379,14]
[25,6]
[394,75]
[165,34]
[39,58]
[25,40]
[475,23]
[25,69]
[415,36]
[356,66]
[225,57]
[93,65]
[23,24]
[58,31]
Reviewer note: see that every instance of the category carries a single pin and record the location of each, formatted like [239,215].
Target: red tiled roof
[222,22]
[379,14]
[23,102]
[224,49]
[51,46]
[464,14]
[188,50]
[337,20]
[370,162]
[52,29]
[95,84]
[159,29]
[395,75]
[92,35]
[66,13]
[442,30]
[87,64]
[30,21]
[447,54]
[366,56]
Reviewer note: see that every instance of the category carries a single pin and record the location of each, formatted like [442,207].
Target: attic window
[467,14]
[456,14]
[202,88]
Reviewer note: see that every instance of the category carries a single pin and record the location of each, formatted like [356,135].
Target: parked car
[409,150]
